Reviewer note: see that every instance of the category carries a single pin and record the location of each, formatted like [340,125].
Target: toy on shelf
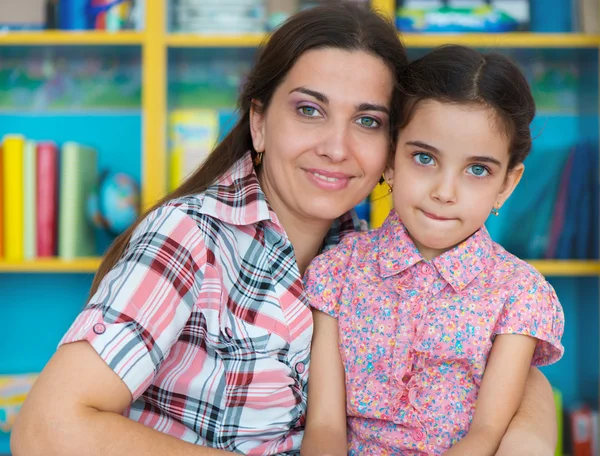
[115,203]
[426,16]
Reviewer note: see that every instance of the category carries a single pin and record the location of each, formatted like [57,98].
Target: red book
[47,199]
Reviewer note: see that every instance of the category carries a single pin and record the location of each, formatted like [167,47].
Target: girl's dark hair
[340,26]
[457,74]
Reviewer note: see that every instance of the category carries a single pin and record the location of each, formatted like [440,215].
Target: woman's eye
[368,122]
[478,170]
[309,111]
[423,159]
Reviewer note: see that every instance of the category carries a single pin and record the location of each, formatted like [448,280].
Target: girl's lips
[435,217]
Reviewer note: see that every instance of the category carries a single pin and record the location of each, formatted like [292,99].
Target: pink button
[418,435]
[229,332]
[404,398]
[425,269]
[300,367]
[99,328]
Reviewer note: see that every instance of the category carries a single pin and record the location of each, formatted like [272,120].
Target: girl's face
[450,171]
[325,134]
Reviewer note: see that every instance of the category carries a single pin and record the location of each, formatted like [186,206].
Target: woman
[196,326]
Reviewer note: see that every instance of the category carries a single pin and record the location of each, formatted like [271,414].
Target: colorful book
[47,199]
[1,209]
[192,134]
[78,176]
[12,171]
[30,199]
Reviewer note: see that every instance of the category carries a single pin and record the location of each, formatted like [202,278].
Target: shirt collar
[458,266]
[236,198]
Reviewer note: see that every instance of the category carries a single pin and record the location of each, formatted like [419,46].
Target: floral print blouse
[415,335]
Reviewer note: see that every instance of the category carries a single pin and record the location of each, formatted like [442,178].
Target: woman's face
[325,134]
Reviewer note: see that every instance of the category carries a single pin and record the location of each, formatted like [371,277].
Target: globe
[115,204]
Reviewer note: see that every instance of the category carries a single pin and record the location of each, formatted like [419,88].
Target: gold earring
[496,210]
[383,180]
[258,158]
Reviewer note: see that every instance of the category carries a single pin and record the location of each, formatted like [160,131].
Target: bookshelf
[154,45]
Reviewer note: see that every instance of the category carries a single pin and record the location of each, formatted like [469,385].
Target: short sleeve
[536,312]
[143,303]
[325,278]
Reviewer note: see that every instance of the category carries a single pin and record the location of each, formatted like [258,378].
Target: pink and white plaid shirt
[204,319]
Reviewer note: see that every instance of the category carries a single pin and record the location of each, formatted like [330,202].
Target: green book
[78,176]
[30,199]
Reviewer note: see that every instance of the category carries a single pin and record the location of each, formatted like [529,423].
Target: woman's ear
[388,175]
[512,180]
[257,125]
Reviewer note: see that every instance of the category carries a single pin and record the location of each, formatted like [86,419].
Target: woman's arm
[325,431]
[499,396]
[75,408]
[532,432]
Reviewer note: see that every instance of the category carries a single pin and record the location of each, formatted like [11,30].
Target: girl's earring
[495,211]
[383,180]
[258,158]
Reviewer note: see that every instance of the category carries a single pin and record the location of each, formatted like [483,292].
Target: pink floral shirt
[415,334]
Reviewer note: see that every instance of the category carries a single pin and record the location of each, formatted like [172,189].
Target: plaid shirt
[205,321]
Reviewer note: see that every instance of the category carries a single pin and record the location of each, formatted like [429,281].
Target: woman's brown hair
[341,26]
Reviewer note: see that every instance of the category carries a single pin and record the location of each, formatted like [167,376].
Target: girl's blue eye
[308,111]
[368,122]
[478,170]
[423,159]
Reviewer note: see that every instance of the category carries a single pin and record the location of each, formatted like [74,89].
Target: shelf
[509,40]
[89,265]
[56,265]
[567,267]
[71,38]
[197,40]
[486,40]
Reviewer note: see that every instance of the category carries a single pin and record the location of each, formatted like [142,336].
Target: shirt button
[300,368]
[229,332]
[418,435]
[425,269]
[99,328]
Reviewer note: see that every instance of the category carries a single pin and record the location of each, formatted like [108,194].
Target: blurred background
[105,105]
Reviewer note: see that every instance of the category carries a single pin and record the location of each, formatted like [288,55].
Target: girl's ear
[257,126]
[388,175]
[512,180]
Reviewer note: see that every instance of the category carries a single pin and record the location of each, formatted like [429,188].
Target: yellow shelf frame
[549,268]
[74,38]
[55,265]
[481,40]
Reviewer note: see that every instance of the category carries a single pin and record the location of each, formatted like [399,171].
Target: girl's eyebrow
[475,158]
[323,99]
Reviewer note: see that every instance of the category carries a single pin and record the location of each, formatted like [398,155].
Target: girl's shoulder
[508,268]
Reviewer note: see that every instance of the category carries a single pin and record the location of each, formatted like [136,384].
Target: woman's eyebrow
[373,107]
[313,93]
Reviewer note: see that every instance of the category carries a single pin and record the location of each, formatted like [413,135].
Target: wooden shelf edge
[71,38]
[496,40]
[508,40]
[566,268]
[52,265]
[179,40]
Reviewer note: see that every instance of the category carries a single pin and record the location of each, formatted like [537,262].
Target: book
[192,134]
[78,176]
[47,199]
[12,172]
[1,209]
[30,200]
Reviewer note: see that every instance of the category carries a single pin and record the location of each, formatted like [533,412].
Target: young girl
[428,302]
